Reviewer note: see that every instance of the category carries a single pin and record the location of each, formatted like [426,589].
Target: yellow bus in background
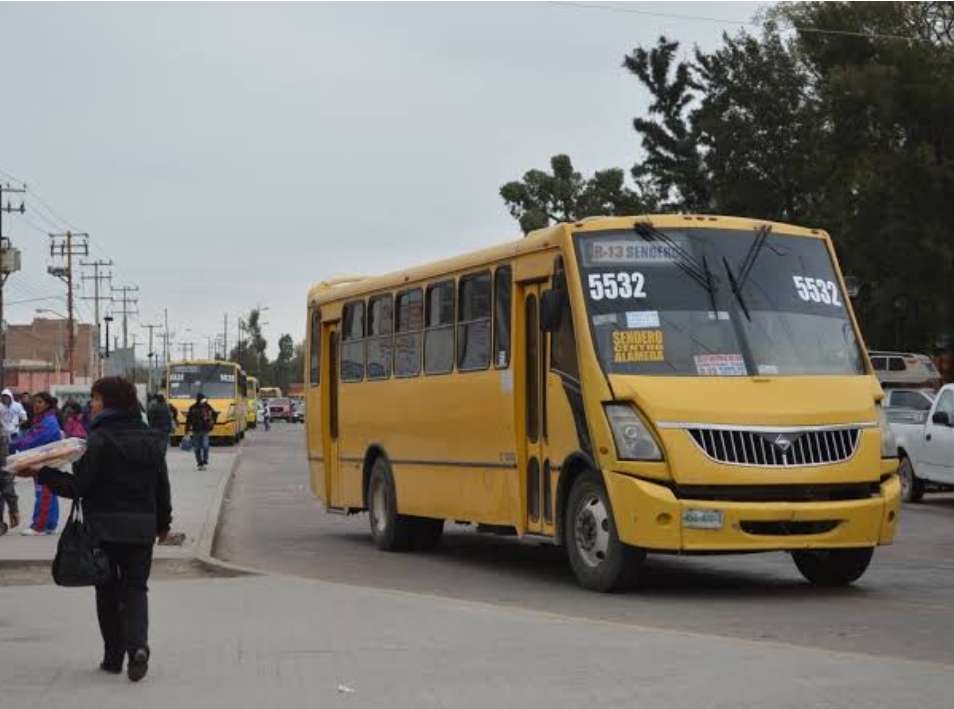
[618,386]
[224,384]
[251,401]
[270,392]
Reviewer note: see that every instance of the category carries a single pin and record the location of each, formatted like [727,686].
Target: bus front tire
[391,531]
[833,567]
[599,559]
[912,489]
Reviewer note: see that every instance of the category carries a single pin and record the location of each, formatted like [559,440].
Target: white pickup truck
[926,446]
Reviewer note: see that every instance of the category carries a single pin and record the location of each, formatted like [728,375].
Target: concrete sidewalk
[195,503]
[280,642]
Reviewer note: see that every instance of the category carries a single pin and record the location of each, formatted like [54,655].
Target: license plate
[702,519]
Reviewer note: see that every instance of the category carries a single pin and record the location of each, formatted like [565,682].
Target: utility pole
[165,334]
[151,353]
[127,302]
[66,246]
[225,337]
[97,278]
[9,263]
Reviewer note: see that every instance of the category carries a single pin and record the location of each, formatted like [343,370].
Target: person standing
[12,413]
[26,403]
[123,484]
[159,415]
[8,491]
[200,421]
[73,425]
[45,429]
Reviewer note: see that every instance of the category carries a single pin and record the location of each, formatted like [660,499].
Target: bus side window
[380,330]
[352,342]
[407,341]
[314,367]
[502,292]
[439,328]
[473,322]
[563,340]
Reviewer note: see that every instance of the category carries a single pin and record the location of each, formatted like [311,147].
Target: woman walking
[123,483]
[45,429]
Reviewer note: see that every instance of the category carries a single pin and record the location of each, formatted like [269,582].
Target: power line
[719,20]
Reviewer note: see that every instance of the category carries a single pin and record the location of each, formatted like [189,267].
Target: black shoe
[112,667]
[138,664]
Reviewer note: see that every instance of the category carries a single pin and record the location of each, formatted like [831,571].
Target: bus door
[533,462]
[329,408]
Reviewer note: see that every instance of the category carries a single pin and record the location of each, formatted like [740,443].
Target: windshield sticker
[642,319]
[604,319]
[720,315]
[607,253]
[638,346]
[817,290]
[720,365]
[617,285]
[766,369]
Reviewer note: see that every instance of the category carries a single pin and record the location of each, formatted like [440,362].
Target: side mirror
[941,418]
[552,305]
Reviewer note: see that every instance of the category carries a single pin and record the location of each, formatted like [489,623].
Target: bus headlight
[634,440]
[231,413]
[889,444]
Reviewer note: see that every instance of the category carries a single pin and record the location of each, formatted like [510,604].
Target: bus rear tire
[599,559]
[389,530]
[833,567]
[427,533]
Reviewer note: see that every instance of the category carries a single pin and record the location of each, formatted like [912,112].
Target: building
[37,356]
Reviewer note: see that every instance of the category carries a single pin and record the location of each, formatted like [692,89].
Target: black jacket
[201,418]
[160,417]
[122,480]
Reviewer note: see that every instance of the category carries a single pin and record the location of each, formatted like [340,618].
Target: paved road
[903,607]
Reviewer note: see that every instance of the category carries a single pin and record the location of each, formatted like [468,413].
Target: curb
[213,518]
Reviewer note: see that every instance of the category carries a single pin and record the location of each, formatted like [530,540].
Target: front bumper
[649,515]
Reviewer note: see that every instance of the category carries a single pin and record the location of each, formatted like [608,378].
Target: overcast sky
[232,155]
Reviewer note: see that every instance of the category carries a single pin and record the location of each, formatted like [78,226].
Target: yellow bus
[223,384]
[251,416]
[619,386]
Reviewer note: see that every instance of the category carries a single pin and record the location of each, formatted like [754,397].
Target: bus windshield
[215,381]
[715,302]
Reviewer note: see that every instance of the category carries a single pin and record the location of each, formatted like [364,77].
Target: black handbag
[79,560]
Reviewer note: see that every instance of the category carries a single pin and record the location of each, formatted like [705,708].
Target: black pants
[122,605]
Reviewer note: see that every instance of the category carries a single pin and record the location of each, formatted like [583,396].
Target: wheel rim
[906,483]
[379,505]
[591,530]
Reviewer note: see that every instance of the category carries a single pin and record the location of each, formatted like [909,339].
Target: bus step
[541,538]
[500,530]
[344,511]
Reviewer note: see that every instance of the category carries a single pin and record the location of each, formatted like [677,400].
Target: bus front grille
[780,449]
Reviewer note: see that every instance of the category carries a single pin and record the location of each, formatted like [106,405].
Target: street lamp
[108,319]
[69,343]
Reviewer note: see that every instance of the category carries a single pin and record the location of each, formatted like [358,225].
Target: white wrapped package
[52,455]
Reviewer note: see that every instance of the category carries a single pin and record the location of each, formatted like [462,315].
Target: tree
[564,195]
[249,352]
[280,372]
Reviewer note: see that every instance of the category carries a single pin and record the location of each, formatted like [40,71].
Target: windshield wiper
[747,263]
[699,272]
[753,253]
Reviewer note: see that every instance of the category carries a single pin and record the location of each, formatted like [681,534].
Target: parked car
[914,399]
[925,446]
[299,414]
[280,408]
[905,369]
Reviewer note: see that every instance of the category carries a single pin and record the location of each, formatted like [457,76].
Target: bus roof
[541,239]
[204,361]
